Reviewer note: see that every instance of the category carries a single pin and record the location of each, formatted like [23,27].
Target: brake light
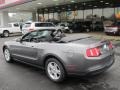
[93,52]
[111,45]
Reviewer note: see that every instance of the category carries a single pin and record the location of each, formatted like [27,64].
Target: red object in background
[111,45]
[2,1]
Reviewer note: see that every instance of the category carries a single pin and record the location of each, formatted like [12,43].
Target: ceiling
[34,4]
[79,6]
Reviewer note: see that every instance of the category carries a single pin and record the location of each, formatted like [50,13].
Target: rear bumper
[100,69]
[93,70]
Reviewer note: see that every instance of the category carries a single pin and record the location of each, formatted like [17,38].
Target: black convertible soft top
[74,38]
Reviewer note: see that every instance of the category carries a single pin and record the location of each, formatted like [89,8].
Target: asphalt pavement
[18,76]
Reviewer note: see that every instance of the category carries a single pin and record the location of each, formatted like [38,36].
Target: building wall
[20,17]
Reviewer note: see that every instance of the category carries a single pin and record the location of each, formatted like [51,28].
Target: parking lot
[17,76]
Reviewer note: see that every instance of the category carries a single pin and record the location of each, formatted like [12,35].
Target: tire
[50,68]
[6,34]
[7,55]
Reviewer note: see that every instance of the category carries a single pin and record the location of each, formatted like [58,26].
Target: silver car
[61,55]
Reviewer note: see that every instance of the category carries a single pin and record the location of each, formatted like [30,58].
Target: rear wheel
[7,55]
[55,70]
[6,34]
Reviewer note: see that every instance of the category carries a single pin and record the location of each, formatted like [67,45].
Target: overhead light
[39,3]
[95,6]
[101,1]
[106,3]
[72,1]
[84,3]
[57,4]
[55,0]
[89,5]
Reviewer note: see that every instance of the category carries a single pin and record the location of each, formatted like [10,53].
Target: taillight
[111,45]
[93,52]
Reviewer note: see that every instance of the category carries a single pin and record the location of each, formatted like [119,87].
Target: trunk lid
[104,46]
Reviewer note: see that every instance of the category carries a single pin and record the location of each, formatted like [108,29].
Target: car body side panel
[23,51]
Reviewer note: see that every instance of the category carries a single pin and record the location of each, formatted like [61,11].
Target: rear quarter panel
[67,53]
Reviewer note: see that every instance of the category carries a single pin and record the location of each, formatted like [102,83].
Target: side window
[38,24]
[16,25]
[50,25]
[41,24]
[44,24]
[9,25]
[29,36]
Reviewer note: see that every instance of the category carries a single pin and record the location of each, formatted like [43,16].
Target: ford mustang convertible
[60,55]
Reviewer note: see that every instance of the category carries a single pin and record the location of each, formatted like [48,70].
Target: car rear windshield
[44,25]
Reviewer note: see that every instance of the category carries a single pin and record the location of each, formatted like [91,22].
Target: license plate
[105,47]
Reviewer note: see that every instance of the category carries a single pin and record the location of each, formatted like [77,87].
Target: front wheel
[6,34]
[7,55]
[55,70]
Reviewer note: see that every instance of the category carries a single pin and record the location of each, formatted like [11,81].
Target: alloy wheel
[6,34]
[7,55]
[54,70]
